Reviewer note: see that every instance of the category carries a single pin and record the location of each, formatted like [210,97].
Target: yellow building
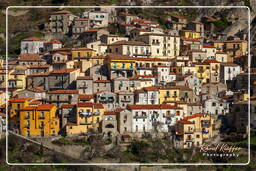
[169,93]
[190,34]
[82,53]
[214,70]
[14,108]
[39,120]
[202,71]
[193,130]
[89,115]
[17,81]
[82,57]
[120,65]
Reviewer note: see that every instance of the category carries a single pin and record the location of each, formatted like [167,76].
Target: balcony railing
[125,100]
[41,117]
[140,116]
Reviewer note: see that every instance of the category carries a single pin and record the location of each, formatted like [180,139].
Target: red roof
[29,57]
[211,61]
[102,81]
[62,71]
[153,106]
[53,42]
[124,42]
[45,107]
[190,39]
[194,116]
[84,78]
[32,39]
[85,96]
[92,105]
[183,121]
[63,92]
[68,106]
[61,12]
[150,88]
[125,13]
[208,46]
[19,100]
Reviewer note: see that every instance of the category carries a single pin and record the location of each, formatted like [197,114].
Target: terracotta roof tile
[153,106]
[63,92]
[32,39]
[91,105]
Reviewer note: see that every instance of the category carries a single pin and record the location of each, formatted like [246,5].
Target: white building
[210,51]
[109,39]
[98,19]
[163,74]
[32,45]
[215,107]
[53,44]
[98,46]
[131,48]
[147,95]
[149,118]
[162,45]
[228,71]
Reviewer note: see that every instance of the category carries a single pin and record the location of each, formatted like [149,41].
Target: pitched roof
[211,61]
[29,57]
[85,96]
[63,92]
[152,106]
[32,39]
[208,46]
[84,78]
[63,71]
[61,12]
[184,121]
[68,106]
[92,105]
[124,42]
[53,42]
[45,107]
[19,100]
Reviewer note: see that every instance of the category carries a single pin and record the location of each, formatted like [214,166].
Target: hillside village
[185,82]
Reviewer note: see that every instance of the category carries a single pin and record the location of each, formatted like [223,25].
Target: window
[213,104]
[42,114]
[167,93]
[123,65]
[136,128]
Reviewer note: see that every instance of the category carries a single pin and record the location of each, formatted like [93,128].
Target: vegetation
[66,141]
[221,24]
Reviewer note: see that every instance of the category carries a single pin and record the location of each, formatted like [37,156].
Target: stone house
[68,114]
[108,99]
[30,59]
[62,79]
[84,84]
[32,92]
[60,97]
[101,85]
[125,98]
[121,84]
[31,45]
[60,21]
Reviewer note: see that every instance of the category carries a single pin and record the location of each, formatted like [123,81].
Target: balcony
[140,116]
[82,86]
[41,117]
[106,100]
[85,123]
[125,100]
[156,43]
[189,132]
[189,139]
[26,117]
